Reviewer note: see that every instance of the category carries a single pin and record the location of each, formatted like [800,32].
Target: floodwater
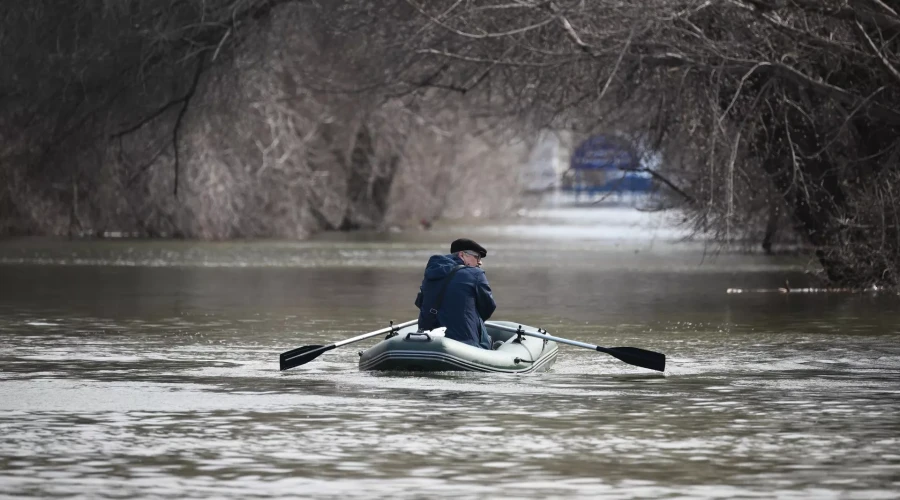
[133,369]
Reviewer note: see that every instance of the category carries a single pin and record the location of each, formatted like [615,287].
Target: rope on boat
[543,346]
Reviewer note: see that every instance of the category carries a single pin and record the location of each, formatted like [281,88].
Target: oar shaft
[305,354]
[541,336]
[631,355]
[376,332]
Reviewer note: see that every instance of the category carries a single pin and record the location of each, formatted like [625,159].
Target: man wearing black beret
[455,294]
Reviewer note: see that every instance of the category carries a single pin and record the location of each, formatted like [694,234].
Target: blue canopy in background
[604,152]
[606,163]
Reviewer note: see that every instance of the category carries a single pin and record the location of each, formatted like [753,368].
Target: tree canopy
[221,118]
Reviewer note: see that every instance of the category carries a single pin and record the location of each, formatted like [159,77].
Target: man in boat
[455,294]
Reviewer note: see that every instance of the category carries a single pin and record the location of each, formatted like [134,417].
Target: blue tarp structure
[601,163]
[604,152]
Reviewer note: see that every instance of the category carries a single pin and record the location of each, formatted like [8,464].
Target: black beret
[467,244]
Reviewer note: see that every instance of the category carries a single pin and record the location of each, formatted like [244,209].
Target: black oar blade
[638,357]
[301,355]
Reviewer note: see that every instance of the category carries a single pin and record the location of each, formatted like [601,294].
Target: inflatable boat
[407,349]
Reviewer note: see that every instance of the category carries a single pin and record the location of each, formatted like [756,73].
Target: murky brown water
[149,369]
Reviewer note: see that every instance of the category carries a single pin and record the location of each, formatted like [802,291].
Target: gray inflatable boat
[409,350]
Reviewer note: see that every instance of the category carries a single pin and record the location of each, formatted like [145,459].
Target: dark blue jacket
[468,301]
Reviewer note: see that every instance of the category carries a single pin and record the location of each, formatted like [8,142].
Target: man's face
[470,258]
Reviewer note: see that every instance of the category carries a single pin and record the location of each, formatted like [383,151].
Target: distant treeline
[212,118]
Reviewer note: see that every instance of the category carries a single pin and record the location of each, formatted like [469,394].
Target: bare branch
[482,36]
[495,62]
[881,57]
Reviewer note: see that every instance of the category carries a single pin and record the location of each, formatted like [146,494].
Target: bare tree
[755,105]
[277,117]
[219,118]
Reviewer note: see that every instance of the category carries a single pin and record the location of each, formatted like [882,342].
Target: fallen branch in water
[873,288]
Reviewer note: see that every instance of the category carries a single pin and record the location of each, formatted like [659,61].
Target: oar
[631,355]
[307,353]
